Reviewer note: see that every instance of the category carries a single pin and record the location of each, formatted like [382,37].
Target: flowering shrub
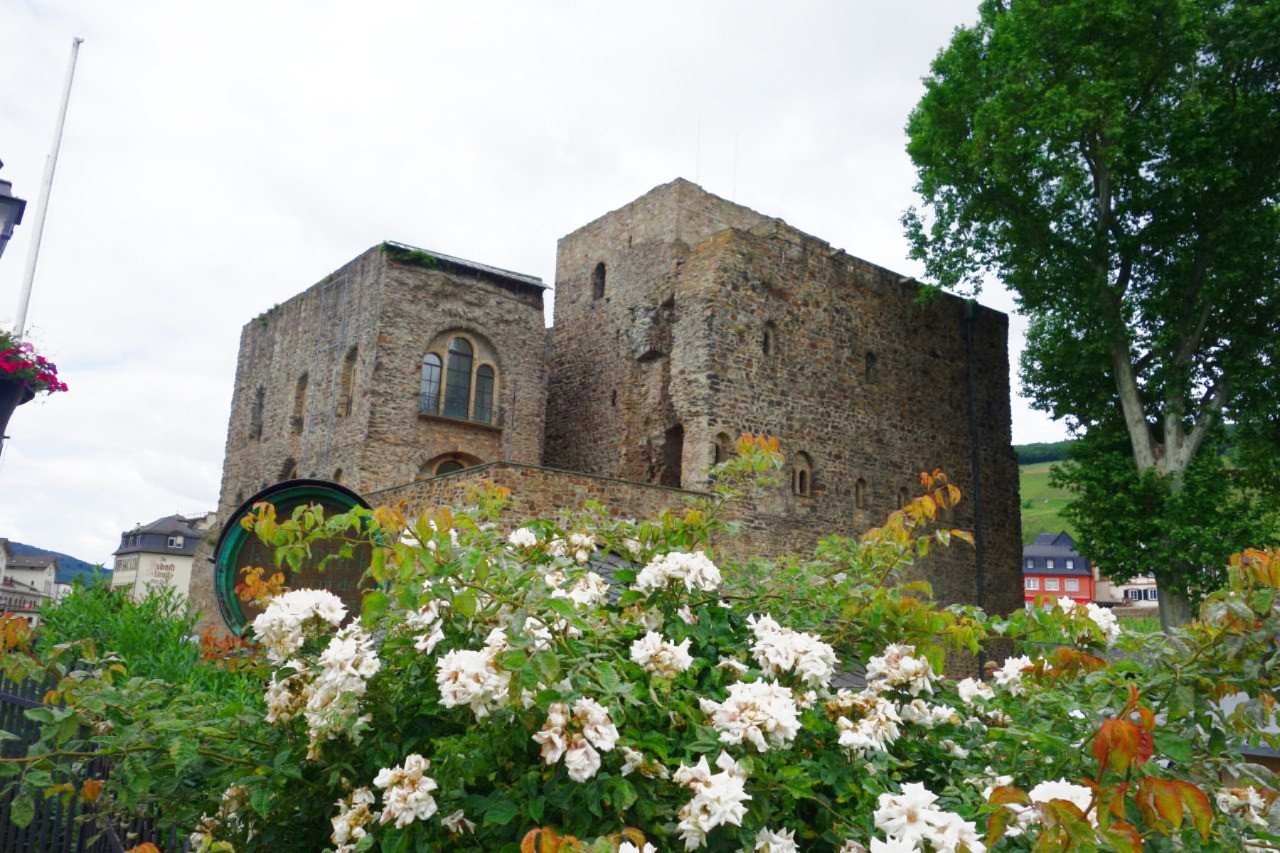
[601,684]
[19,362]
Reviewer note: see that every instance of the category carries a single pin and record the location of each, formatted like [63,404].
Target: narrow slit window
[430,393]
[484,394]
[299,405]
[597,281]
[860,494]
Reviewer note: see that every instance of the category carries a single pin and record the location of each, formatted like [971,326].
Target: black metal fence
[62,824]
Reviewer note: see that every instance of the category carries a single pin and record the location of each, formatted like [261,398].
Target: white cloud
[220,157]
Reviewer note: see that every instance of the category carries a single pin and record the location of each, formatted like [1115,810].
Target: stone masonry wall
[310,333]
[425,305]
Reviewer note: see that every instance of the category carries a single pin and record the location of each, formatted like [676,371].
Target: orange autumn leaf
[91,790]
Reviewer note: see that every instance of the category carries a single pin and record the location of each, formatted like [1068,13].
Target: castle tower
[401,365]
[683,320]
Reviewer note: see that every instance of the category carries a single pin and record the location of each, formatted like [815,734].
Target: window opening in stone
[255,417]
[722,450]
[345,387]
[597,281]
[337,475]
[289,470]
[860,494]
[904,498]
[672,455]
[484,394]
[448,466]
[457,388]
[802,475]
[299,405]
[613,398]
[429,392]
[873,372]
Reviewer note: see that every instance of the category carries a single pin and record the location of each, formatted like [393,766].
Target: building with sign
[159,553]
[681,321]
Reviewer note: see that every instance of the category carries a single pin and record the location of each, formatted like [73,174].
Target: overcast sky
[221,157]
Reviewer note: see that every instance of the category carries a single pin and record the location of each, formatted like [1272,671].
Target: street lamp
[10,212]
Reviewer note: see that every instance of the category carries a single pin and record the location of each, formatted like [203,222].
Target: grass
[1042,504]
[1140,624]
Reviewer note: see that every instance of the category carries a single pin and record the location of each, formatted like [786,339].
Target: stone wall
[311,334]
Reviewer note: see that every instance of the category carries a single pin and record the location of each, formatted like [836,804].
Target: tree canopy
[1116,163]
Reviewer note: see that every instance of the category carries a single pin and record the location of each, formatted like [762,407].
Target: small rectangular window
[1071,564]
[1073,585]
[1033,583]
[1048,564]
[1051,584]
[1134,594]
[1031,564]
[1153,595]
[175,541]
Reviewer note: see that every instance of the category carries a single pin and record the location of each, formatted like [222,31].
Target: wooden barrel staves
[239,549]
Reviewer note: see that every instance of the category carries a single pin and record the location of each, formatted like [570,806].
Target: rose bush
[599,683]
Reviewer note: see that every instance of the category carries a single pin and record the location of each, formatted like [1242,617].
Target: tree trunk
[1175,606]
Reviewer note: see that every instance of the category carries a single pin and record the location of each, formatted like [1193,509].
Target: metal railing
[62,825]
[434,406]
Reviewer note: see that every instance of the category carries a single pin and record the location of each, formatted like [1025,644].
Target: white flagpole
[42,206]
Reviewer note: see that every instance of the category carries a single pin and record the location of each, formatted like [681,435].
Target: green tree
[1117,164]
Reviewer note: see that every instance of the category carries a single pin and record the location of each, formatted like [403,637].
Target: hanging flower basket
[23,374]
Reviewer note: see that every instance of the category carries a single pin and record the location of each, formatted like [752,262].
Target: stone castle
[681,321]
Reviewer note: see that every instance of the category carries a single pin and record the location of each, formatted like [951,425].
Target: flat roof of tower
[476,266]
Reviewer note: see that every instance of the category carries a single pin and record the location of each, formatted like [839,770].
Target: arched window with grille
[457,383]
[429,392]
[484,394]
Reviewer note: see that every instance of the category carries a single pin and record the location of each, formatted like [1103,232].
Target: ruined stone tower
[681,321]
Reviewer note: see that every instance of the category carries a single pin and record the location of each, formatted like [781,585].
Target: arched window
[347,383]
[904,497]
[484,394]
[299,405]
[873,372]
[802,475]
[337,475]
[597,281]
[457,384]
[446,464]
[860,494]
[429,393]
[255,417]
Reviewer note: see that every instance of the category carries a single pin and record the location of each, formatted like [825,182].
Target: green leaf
[500,813]
[40,715]
[23,810]
[1174,747]
[373,606]
[465,603]
[512,659]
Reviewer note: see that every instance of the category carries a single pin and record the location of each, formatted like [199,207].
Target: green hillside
[1042,504]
